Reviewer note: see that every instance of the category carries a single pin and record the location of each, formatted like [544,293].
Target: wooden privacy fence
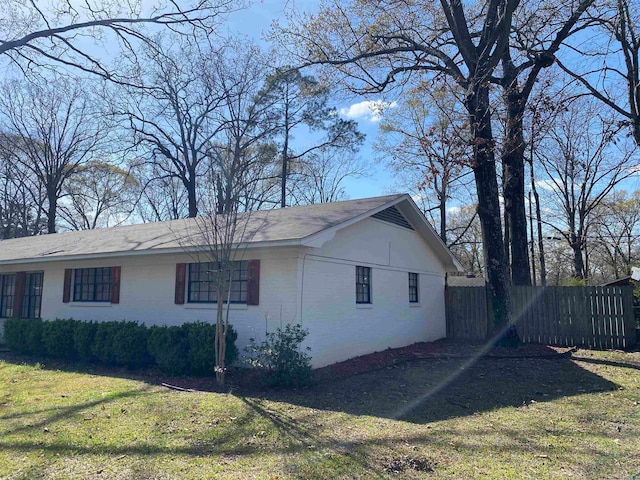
[595,317]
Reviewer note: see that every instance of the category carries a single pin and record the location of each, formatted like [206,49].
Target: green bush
[102,346]
[14,335]
[188,349]
[201,339]
[83,338]
[24,335]
[58,338]
[281,357]
[130,345]
[169,348]
[121,343]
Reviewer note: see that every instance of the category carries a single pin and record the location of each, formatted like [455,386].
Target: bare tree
[374,45]
[424,139]
[160,197]
[172,117]
[321,176]
[57,131]
[610,69]
[615,235]
[539,30]
[20,196]
[243,155]
[99,195]
[58,34]
[584,158]
[466,242]
[217,243]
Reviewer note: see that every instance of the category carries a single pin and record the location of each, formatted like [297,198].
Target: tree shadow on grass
[418,390]
[612,363]
[430,390]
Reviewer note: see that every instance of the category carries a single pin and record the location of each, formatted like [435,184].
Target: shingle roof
[267,226]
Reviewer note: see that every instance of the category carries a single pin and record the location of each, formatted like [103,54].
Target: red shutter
[115,284]
[66,292]
[181,270]
[253,282]
[18,297]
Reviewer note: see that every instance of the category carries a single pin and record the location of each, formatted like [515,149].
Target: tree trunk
[191,194]
[52,211]
[531,245]
[515,210]
[285,158]
[578,261]
[443,218]
[484,169]
[505,224]
[220,368]
[543,268]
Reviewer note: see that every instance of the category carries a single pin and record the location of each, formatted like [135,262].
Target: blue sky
[254,22]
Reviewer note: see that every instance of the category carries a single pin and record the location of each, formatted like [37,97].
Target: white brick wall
[314,286]
[340,328]
[147,292]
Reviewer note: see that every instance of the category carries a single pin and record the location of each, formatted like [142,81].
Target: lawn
[560,417]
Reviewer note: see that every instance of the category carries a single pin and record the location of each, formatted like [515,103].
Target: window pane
[363,284]
[203,279]
[7,295]
[92,284]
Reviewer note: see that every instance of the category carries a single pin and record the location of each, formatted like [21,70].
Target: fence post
[629,324]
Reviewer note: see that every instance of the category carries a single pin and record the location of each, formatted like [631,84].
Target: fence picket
[597,317]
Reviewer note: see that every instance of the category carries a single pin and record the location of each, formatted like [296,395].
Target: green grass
[434,418]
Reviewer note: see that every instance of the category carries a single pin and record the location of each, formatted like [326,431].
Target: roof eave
[156,251]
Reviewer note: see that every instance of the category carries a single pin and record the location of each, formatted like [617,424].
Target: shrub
[24,335]
[102,346]
[121,343]
[14,335]
[130,345]
[169,348]
[58,338]
[281,357]
[83,337]
[188,349]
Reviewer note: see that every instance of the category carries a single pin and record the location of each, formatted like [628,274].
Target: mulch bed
[440,349]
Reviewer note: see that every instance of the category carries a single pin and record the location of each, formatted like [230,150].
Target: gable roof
[308,225]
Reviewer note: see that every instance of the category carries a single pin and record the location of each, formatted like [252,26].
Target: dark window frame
[32,300]
[92,284]
[414,288]
[197,274]
[7,299]
[363,285]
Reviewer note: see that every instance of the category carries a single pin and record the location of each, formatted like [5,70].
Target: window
[7,295]
[92,284]
[363,284]
[413,287]
[32,295]
[202,282]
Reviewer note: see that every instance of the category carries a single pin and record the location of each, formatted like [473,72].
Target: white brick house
[361,275]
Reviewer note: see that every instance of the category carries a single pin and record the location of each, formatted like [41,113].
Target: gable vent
[393,215]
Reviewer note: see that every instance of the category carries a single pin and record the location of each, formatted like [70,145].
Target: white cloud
[367,110]
[548,185]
